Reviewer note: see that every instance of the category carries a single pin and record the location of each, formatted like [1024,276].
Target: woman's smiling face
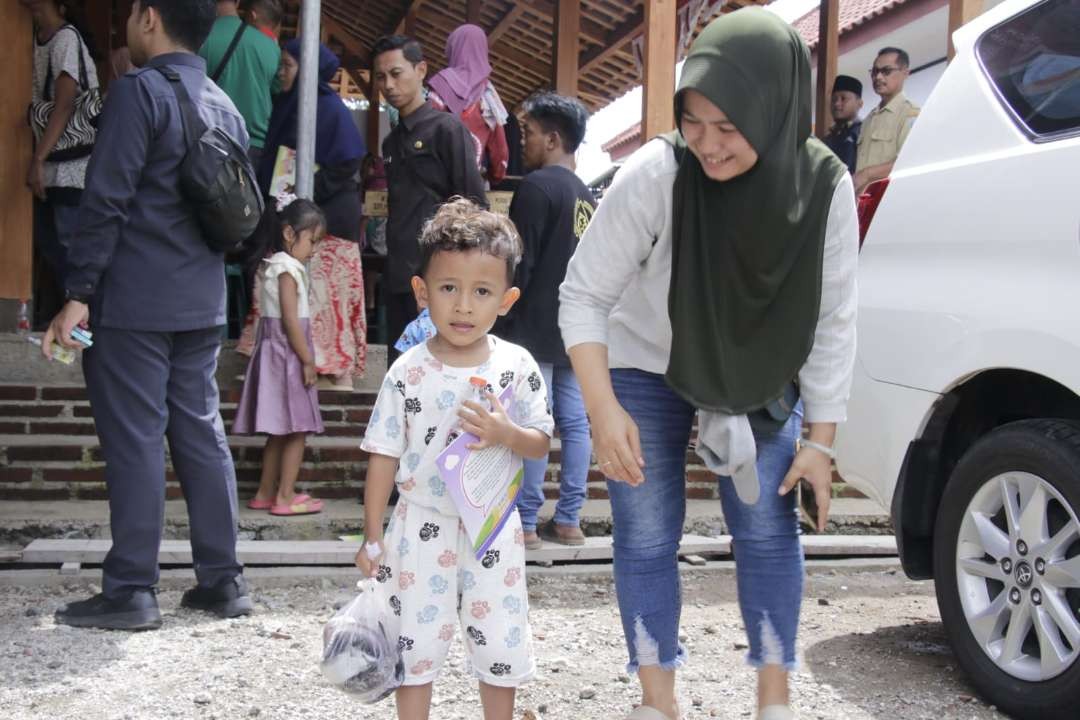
[715,141]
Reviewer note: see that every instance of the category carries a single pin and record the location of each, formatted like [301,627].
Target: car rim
[1018,574]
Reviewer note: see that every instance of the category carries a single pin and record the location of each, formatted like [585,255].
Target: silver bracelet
[828,451]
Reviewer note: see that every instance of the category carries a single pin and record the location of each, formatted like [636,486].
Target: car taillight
[868,204]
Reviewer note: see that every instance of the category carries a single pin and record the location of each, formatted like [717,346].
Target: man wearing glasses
[887,126]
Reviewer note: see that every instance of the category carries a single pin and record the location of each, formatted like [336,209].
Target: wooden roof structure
[520,39]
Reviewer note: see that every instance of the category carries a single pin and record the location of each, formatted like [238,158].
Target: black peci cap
[848,83]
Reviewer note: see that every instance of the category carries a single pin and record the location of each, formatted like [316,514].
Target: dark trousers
[55,226]
[400,311]
[145,387]
[255,155]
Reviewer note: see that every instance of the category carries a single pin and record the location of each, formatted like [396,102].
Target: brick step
[60,467]
[85,450]
[77,393]
[48,449]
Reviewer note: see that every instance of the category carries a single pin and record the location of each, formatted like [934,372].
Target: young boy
[468,260]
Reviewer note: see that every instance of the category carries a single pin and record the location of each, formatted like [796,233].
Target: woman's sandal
[300,505]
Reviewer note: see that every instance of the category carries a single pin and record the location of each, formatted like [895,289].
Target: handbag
[77,140]
[216,177]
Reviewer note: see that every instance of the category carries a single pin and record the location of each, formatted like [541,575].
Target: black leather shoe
[136,611]
[227,599]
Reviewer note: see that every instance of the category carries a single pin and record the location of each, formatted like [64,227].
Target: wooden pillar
[828,51]
[565,61]
[658,111]
[961,12]
[372,138]
[407,26]
[472,11]
[16,146]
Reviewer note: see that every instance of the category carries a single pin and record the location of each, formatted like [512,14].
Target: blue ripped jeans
[648,527]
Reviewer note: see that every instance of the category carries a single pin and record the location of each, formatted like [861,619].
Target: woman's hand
[35,178]
[616,443]
[816,468]
[310,375]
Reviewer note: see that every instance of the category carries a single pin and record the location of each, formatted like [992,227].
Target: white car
[964,417]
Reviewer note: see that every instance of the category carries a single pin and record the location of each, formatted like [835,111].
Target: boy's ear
[419,288]
[509,298]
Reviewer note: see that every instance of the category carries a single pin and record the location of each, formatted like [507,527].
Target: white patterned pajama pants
[436,583]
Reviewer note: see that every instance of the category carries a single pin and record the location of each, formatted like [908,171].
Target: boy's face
[845,105]
[465,292]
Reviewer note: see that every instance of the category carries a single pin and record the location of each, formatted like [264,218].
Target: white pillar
[309,98]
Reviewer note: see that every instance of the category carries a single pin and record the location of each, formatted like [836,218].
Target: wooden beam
[526,65]
[16,211]
[658,112]
[505,23]
[961,12]
[828,51]
[619,37]
[372,134]
[591,30]
[473,10]
[404,22]
[565,47]
[347,38]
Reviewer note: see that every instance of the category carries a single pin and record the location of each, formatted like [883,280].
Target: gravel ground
[873,648]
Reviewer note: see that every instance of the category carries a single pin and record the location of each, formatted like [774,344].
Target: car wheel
[1007,567]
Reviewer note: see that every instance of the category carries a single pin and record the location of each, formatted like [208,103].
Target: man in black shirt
[430,157]
[551,209]
[843,137]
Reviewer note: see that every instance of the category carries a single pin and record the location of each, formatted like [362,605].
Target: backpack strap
[229,51]
[193,126]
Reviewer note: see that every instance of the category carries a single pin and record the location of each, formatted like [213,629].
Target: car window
[1033,60]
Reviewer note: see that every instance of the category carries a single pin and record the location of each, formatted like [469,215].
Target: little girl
[279,396]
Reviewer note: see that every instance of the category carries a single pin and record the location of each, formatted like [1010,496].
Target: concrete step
[22,522]
[342,552]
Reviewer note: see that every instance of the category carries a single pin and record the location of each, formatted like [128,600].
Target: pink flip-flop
[256,504]
[300,505]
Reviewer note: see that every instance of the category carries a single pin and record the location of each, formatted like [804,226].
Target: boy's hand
[493,427]
[370,565]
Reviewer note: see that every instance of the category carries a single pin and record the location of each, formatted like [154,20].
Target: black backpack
[216,178]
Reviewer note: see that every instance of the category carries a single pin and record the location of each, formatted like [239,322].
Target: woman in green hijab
[717,276]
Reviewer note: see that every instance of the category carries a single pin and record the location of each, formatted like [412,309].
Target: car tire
[1039,459]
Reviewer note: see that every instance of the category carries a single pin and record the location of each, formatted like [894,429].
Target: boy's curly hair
[462,225]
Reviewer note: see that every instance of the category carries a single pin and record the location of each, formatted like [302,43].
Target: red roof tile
[631,133]
[852,14]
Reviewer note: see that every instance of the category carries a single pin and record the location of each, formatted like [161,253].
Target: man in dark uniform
[430,157]
[843,137]
[154,293]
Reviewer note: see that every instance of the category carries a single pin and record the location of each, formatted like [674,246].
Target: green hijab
[747,253]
